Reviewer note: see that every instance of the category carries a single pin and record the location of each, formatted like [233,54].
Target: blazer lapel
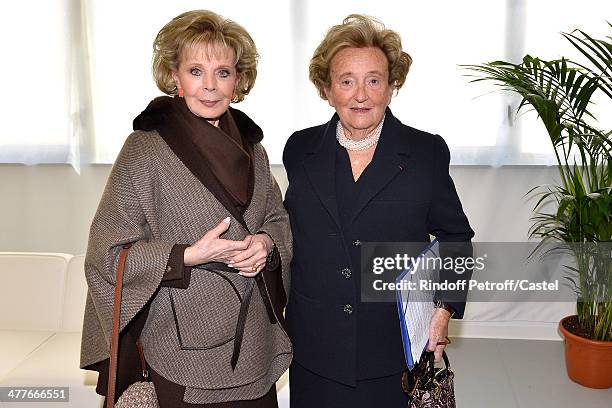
[390,159]
[320,168]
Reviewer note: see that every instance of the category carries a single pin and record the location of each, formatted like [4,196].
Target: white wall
[49,207]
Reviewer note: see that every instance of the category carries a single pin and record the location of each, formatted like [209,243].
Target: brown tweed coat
[154,201]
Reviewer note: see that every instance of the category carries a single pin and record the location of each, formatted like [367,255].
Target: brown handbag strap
[114,347]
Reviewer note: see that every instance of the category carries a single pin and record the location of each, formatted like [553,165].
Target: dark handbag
[140,394]
[428,386]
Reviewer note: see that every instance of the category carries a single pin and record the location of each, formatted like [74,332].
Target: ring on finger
[254,268]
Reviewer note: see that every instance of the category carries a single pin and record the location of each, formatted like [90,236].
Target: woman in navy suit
[361,177]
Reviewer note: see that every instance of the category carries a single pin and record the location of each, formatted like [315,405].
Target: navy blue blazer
[409,195]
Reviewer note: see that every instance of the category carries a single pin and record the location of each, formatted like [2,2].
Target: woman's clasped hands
[248,255]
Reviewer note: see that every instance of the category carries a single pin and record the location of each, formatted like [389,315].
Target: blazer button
[348,309]
[357,243]
[346,272]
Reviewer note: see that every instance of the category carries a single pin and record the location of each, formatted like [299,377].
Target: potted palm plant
[562,91]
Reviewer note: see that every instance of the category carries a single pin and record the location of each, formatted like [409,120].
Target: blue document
[415,301]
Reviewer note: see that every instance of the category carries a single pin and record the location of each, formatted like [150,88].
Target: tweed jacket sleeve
[122,218]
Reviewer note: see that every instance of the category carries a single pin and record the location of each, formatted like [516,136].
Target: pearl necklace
[362,144]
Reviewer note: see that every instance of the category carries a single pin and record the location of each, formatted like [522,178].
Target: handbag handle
[114,347]
[431,356]
[431,369]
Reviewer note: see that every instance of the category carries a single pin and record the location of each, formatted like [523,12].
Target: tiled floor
[518,374]
[491,373]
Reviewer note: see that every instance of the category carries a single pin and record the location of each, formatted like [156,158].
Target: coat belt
[245,303]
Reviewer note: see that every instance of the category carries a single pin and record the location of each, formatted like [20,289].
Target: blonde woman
[207,274]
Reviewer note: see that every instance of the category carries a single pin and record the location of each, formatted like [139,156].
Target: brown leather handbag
[140,394]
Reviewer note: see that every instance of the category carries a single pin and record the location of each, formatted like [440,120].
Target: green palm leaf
[561,92]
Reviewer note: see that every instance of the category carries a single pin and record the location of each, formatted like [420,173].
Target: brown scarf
[220,157]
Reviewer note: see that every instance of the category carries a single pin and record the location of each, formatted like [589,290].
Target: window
[79,72]
[39,117]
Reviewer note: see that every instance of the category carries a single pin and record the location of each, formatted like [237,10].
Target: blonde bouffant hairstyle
[359,31]
[203,28]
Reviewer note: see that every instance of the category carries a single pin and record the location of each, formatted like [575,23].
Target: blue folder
[430,250]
